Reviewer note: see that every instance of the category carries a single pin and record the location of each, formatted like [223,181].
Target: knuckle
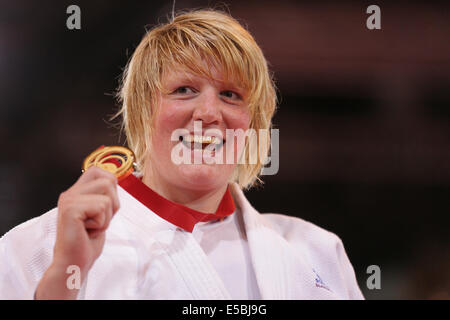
[101,206]
[109,189]
[93,171]
[109,202]
[112,192]
[61,198]
[64,199]
[105,204]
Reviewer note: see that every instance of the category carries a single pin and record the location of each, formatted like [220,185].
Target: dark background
[364,118]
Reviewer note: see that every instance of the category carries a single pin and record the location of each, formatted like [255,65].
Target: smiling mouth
[196,142]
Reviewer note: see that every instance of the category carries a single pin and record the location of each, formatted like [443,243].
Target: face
[189,101]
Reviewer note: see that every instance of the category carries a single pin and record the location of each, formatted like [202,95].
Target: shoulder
[296,229]
[293,229]
[33,231]
[323,249]
[314,241]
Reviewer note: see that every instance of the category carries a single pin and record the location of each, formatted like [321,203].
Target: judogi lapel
[194,267]
[183,259]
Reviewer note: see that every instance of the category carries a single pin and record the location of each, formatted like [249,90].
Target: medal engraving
[115,159]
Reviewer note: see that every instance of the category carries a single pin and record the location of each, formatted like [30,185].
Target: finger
[93,173]
[94,233]
[97,209]
[91,224]
[100,212]
[102,186]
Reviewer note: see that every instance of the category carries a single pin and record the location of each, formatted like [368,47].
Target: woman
[180,230]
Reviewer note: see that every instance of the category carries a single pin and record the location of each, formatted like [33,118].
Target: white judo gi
[247,256]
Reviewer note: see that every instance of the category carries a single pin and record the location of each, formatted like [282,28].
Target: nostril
[180,138]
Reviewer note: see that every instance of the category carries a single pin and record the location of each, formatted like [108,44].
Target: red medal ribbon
[172,212]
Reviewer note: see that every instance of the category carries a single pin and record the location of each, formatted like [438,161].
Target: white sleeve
[348,273]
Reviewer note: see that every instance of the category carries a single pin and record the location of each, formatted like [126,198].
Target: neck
[206,201]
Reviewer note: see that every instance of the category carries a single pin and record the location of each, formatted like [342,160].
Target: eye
[183,90]
[230,95]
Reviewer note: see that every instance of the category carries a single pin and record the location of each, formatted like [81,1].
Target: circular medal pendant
[115,159]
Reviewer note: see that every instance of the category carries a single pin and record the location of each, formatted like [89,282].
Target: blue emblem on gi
[319,282]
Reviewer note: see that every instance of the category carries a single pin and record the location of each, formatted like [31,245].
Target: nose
[208,108]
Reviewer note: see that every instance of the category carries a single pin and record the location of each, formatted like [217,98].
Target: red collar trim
[175,213]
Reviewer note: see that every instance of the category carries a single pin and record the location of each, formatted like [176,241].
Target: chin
[203,177]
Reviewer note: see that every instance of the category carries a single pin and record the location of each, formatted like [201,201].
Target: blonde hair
[187,39]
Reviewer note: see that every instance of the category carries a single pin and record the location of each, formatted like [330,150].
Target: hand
[84,213]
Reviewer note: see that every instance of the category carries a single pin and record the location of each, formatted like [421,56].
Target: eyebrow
[179,77]
[190,78]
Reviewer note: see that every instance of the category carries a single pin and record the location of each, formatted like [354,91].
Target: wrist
[61,281]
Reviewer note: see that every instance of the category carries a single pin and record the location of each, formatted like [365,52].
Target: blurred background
[364,118]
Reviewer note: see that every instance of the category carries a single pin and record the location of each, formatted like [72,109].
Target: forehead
[204,71]
[183,73]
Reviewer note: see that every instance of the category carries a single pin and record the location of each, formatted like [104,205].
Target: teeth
[202,139]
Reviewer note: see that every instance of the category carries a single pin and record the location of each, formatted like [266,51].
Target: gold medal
[115,159]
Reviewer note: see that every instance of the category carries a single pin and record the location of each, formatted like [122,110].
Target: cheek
[239,119]
[169,119]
